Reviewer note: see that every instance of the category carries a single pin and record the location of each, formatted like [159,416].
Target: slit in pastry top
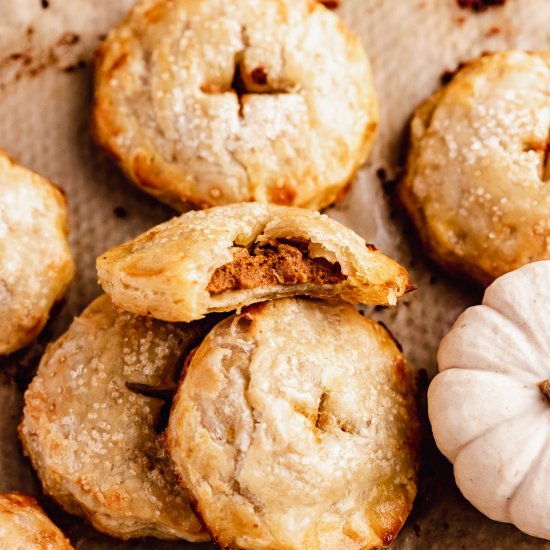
[228,257]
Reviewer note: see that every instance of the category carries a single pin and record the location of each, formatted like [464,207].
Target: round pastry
[92,419]
[295,428]
[36,264]
[25,526]
[217,102]
[477,176]
[227,257]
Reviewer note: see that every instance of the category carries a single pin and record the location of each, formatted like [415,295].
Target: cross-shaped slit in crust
[243,83]
[238,86]
[546,163]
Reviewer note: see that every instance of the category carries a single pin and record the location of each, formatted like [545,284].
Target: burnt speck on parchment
[480,5]
[31,58]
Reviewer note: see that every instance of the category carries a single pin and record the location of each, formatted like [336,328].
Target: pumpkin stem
[545,389]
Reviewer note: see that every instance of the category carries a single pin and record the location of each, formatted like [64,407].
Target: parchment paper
[45,92]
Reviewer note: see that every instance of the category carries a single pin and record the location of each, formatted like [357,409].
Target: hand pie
[36,265]
[218,101]
[477,179]
[25,526]
[295,428]
[227,257]
[91,418]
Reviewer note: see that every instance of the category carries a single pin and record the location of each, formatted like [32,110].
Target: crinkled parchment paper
[45,93]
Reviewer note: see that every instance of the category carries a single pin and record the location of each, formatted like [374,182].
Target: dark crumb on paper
[74,67]
[102,36]
[493,31]
[480,5]
[68,39]
[23,57]
[330,4]
[460,19]
[31,61]
[45,4]
[120,212]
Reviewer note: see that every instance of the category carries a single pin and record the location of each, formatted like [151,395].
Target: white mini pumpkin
[490,404]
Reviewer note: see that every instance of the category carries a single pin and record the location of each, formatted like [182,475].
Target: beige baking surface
[44,103]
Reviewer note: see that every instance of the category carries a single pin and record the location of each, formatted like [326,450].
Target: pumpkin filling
[271,263]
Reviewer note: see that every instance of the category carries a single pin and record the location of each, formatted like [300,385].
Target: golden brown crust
[476,184]
[166,271]
[235,101]
[36,264]
[95,444]
[25,526]
[295,427]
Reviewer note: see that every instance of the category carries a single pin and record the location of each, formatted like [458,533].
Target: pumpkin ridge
[534,464]
[495,292]
[497,457]
[532,475]
[502,371]
[476,314]
[489,430]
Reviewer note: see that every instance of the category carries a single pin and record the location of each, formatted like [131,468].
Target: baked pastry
[295,428]
[91,419]
[218,102]
[25,526]
[476,183]
[36,265]
[227,257]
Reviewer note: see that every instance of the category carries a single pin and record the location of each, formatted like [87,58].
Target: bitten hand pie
[294,427]
[227,257]
[25,526]
[91,418]
[36,265]
[477,177]
[218,102]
